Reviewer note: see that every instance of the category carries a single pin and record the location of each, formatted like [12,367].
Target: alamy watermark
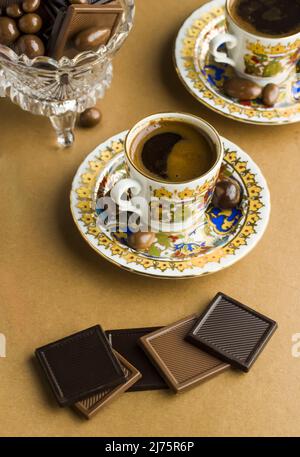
[296,345]
[2,345]
[147,215]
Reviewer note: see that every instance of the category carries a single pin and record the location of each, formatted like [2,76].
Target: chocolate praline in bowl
[60,89]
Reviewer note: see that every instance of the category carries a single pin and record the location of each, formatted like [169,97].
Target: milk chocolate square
[76,19]
[80,365]
[91,405]
[232,331]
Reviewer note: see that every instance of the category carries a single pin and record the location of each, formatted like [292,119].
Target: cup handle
[120,189]
[216,42]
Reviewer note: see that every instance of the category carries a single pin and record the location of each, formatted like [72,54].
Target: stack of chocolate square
[90,368]
[84,371]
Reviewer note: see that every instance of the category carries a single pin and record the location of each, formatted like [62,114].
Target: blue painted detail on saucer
[223,221]
[214,74]
[190,247]
[296,90]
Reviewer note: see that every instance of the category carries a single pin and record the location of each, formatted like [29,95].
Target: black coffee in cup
[267,17]
[173,151]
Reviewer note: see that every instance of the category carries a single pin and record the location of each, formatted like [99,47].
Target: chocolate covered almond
[242,89]
[90,117]
[91,39]
[141,240]
[270,94]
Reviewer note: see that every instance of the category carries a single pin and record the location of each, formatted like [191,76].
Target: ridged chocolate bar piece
[78,18]
[91,405]
[80,365]
[182,365]
[125,341]
[232,331]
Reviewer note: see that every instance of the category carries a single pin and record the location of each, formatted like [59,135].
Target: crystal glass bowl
[61,89]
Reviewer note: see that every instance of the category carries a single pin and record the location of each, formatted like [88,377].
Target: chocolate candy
[80,365]
[227,194]
[90,405]
[29,6]
[8,31]
[30,23]
[14,11]
[30,45]
[270,94]
[90,39]
[66,27]
[180,363]
[90,117]
[141,240]
[125,341]
[242,89]
[232,332]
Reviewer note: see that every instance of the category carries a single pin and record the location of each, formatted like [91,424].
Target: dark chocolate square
[126,343]
[80,365]
[232,331]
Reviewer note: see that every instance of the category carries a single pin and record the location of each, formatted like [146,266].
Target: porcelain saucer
[226,237]
[204,78]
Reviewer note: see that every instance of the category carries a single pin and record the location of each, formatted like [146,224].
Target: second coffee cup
[262,39]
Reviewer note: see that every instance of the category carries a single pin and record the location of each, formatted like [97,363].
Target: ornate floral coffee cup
[259,58]
[163,205]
